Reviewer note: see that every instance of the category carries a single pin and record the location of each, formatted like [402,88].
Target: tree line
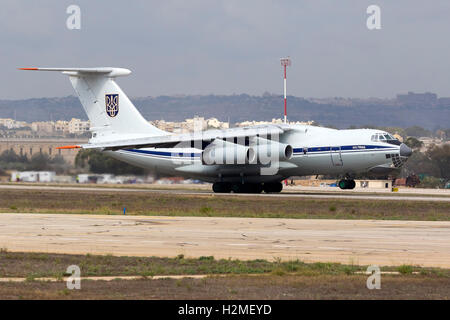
[10,160]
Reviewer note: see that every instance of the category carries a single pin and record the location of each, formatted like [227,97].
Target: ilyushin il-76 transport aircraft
[242,160]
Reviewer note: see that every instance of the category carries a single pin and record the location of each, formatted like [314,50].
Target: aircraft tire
[274,187]
[221,187]
[257,188]
[247,188]
[352,184]
[346,184]
[237,188]
[342,184]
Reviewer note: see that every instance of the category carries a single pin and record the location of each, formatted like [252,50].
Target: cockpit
[385,137]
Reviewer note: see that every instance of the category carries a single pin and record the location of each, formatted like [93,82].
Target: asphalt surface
[365,242]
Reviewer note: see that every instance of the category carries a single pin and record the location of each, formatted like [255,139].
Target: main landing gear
[225,187]
[347,184]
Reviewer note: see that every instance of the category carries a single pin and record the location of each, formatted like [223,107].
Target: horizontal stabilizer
[106,71]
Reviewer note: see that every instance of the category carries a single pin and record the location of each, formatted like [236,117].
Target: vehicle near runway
[250,159]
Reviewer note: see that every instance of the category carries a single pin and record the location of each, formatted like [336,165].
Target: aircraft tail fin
[108,108]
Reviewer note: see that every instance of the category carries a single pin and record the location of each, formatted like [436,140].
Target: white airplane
[250,160]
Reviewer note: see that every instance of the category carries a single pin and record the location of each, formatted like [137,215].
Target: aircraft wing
[169,141]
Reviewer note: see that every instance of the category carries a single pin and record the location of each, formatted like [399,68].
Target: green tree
[431,182]
[40,162]
[9,160]
[98,162]
[417,131]
[420,163]
[440,155]
[11,156]
[413,143]
[447,134]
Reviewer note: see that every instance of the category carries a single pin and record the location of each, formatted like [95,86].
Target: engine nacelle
[269,151]
[224,152]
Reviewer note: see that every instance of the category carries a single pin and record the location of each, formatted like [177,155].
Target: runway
[298,193]
[381,242]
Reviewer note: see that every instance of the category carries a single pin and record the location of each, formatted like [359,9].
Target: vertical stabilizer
[108,108]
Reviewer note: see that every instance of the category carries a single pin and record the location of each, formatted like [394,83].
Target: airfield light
[285,62]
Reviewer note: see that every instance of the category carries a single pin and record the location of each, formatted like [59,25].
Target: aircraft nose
[405,151]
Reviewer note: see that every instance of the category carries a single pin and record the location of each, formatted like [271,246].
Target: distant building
[32,176]
[74,126]
[12,124]
[62,126]
[189,125]
[274,121]
[213,123]
[417,99]
[78,126]
[43,126]
[398,137]
[444,102]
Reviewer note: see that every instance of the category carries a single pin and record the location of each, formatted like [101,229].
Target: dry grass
[35,265]
[257,279]
[237,287]
[151,203]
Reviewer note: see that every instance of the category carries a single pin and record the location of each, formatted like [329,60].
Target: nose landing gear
[347,184]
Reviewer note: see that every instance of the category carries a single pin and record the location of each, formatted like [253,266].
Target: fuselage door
[336,157]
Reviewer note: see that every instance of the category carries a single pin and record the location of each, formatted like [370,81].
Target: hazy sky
[226,47]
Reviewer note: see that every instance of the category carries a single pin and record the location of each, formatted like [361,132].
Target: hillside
[239,108]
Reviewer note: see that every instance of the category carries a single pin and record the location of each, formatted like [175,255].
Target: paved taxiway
[299,193]
[425,243]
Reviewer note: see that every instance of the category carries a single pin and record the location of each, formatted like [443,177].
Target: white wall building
[32,176]
[78,126]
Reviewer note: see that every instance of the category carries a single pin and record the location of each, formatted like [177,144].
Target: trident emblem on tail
[112,104]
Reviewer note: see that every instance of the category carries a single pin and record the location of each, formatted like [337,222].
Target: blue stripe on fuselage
[316,150]
[343,148]
[165,153]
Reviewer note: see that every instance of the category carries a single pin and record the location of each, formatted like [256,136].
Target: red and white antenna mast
[285,62]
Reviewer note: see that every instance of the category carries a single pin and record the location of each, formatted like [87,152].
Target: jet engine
[224,152]
[270,151]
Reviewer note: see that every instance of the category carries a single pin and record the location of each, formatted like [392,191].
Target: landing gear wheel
[221,187]
[247,188]
[273,187]
[347,184]
[257,188]
[352,184]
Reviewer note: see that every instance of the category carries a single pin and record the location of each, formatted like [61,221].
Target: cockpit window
[385,137]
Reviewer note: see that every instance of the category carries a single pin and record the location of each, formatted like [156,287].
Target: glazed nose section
[405,151]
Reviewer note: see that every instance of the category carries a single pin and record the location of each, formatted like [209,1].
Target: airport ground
[41,276]
[203,203]
[312,247]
